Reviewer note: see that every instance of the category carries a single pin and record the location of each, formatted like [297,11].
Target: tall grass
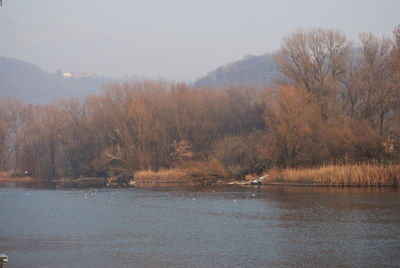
[4,174]
[366,175]
[163,175]
[9,177]
[187,171]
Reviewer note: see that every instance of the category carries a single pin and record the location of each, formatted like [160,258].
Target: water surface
[200,227]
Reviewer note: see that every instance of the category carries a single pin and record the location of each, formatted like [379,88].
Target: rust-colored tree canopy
[332,102]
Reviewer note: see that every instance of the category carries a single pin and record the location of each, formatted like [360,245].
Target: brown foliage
[188,171]
[293,121]
[132,126]
[339,175]
[163,175]
[314,60]
[182,151]
[336,103]
[242,154]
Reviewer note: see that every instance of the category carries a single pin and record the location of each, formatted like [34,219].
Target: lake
[267,226]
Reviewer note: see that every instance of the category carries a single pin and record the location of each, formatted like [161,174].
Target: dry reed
[8,177]
[366,175]
[163,175]
[187,171]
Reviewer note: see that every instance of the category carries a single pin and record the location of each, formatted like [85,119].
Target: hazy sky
[175,39]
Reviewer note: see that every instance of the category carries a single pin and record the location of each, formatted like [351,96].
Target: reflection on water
[199,227]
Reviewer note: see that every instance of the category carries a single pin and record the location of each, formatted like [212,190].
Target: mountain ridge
[31,84]
[257,70]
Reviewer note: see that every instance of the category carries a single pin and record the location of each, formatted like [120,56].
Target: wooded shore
[350,175]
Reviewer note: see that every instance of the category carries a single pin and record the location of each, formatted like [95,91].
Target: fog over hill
[31,84]
[256,70]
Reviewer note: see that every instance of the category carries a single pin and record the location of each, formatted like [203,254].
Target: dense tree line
[129,127]
[331,102]
[342,102]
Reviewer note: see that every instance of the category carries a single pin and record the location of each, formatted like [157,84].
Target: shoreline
[147,184]
[20,179]
[360,175]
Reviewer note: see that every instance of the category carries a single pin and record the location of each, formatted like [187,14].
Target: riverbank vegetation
[10,177]
[331,101]
[195,172]
[361,175]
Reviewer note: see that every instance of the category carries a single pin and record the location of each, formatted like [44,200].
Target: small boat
[259,180]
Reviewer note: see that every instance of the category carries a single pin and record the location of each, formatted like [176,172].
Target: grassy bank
[16,179]
[8,177]
[195,172]
[362,175]
[203,173]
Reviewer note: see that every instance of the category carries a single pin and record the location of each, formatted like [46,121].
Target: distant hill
[31,84]
[256,70]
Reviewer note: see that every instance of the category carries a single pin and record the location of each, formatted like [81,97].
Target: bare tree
[314,60]
[292,119]
[378,91]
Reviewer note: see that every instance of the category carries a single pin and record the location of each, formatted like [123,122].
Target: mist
[176,40]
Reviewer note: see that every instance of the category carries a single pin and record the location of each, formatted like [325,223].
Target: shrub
[241,155]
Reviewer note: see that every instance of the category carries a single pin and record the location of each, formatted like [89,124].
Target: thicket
[342,175]
[331,101]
